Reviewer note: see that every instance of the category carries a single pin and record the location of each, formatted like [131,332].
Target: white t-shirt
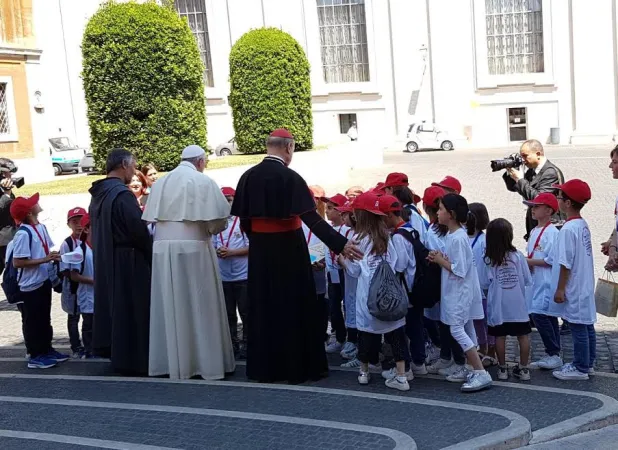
[332,266]
[539,295]
[461,292]
[506,289]
[433,241]
[85,292]
[32,278]
[573,250]
[417,222]
[363,270]
[233,268]
[406,262]
[349,293]
[319,276]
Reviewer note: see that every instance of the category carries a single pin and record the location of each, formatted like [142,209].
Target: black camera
[510,162]
[8,166]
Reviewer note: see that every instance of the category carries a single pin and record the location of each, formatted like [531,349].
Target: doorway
[517,124]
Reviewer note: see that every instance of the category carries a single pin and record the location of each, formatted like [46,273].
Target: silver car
[227,148]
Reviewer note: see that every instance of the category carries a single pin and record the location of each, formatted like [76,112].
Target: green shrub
[143,79]
[269,88]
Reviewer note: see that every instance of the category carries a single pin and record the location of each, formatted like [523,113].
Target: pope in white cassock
[189,334]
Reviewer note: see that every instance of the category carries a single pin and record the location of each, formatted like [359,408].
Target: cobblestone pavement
[81,404]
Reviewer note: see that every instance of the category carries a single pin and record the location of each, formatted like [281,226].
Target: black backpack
[12,275]
[426,289]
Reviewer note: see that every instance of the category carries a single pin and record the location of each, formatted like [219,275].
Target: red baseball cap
[369,202]
[395,179]
[432,194]
[389,203]
[76,212]
[282,133]
[21,207]
[546,199]
[228,191]
[347,206]
[577,190]
[449,182]
[85,220]
[337,199]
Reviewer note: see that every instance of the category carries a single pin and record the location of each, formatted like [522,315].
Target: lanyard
[89,246]
[229,236]
[573,218]
[309,236]
[415,209]
[399,225]
[43,241]
[476,239]
[538,239]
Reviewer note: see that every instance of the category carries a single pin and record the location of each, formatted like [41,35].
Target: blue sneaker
[57,356]
[41,362]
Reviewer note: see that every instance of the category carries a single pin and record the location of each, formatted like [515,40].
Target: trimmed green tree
[143,80]
[270,88]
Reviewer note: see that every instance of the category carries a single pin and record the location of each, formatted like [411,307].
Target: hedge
[269,88]
[143,80]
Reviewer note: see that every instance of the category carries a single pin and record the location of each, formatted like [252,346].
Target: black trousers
[369,346]
[324,314]
[73,327]
[20,307]
[335,297]
[37,320]
[87,320]
[235,293]
[450,347]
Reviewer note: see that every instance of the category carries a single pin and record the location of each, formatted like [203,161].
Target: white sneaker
[569,372]
[363,378]
[548,363]
[477,381]
[439,365]
[392,373]
[503,373]
[353,363]
[334,347]
[591,371]
[350,353]
[399,383]
[347,347]
[448,371]
[418,370]
[459,375]
[433,353]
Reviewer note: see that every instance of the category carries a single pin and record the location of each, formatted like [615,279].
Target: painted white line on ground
[18,359]
[516,434]
[76,440]
[402,440]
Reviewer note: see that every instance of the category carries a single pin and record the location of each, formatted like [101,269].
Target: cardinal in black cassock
[285,332]
[122,265]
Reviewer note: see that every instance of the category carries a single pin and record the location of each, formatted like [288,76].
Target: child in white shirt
[573,281]
[83,275]
[540,248]
[461,292]
[505,276]
[69,288]
[377,246]
[349,294]
[33,258]
[232,246]
[334,275]
[478,219]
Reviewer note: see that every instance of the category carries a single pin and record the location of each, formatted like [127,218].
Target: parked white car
[426,136]
[65,155]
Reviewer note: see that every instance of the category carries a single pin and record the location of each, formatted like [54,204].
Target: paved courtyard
[82,404]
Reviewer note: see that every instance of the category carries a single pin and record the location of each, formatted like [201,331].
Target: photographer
[541,176]
[7,225]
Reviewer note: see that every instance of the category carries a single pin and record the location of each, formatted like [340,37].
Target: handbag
[606,296]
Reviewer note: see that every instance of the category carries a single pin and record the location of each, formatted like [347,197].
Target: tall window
[195,12]
[343,35]
[5,125]
[514,36]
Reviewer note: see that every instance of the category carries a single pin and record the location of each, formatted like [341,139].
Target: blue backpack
[12,275]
